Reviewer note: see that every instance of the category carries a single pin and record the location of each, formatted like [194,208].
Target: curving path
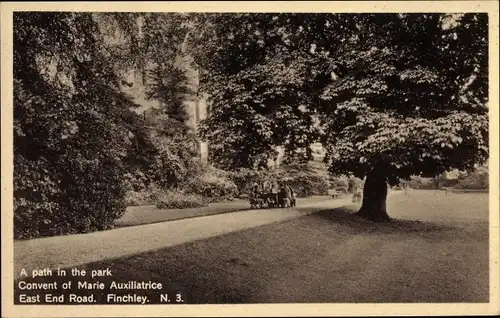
[322,258]
[73,250]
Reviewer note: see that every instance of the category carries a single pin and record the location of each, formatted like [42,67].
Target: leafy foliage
[305,179]
[245,178]
[354,184]
[212,184]
[339,183]
[78,145]
[405,92]
[257,91]
[388,95]
[416,182]
[168,84]
[380,116]
[476,179]
[176,199]
[166,81]
[69,135]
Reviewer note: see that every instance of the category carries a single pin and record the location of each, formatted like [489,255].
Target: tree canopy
[412,88]
[403,94]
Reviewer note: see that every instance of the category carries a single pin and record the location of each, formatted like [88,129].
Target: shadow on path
[237,267]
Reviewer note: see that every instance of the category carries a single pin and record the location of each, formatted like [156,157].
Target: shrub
[213,185]
[36,192]
[305,179]
[69,166]
[136,198]
[416,182]
[245,178]
[354,185]
[176,199]
[143,197]
[174,162]
[307,185]
[135,181]
[70,141]
[474,180]
[339,183]
[61,199]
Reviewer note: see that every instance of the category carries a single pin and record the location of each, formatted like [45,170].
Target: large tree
[414,102]
[75,136]
[396,94]
[70,135]
[257,91]
[152,44]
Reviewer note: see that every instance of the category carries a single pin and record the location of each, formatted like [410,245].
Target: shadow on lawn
[236,267]
[215,276]
[347,216]
[230,268]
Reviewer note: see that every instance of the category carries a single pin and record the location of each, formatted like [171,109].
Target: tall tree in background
[162,49]
[155,42]
[163,46]
[257,90]
[396,94]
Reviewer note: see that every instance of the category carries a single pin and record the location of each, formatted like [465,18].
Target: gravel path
[72,250]
[148,214]
[324,257]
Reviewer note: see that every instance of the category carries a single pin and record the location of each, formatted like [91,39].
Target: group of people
[272,194]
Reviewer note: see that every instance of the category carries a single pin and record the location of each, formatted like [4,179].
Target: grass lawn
[148,214]
[330,256]
[436,205]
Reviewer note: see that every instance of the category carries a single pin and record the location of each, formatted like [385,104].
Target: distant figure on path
[285,196]
[404,186]
[352,186]
[274,193]
[290,194]
[356,197]
[254,191]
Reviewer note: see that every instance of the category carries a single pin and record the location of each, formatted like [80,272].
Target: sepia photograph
[236,158]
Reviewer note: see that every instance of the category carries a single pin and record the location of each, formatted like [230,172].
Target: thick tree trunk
[375,197]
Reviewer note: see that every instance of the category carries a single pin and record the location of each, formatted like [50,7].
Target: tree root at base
[374,217]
